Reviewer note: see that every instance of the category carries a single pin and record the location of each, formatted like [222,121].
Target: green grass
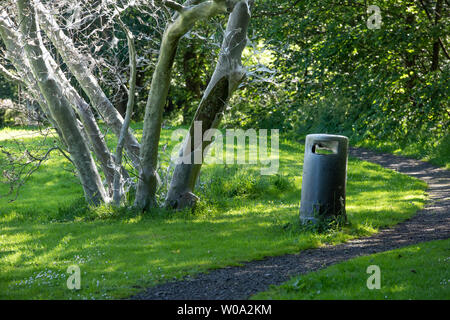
[421,271]
[241,216]
[434,151]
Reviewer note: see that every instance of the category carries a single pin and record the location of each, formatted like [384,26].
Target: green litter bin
[324,178]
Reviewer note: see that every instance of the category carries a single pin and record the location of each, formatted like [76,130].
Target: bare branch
[171,4]
[22,162]
[117,194]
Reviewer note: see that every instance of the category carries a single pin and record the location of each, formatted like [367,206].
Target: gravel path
[430,223]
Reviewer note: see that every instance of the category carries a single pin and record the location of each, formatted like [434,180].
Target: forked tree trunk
[226,78]
[59,107]
[184,21]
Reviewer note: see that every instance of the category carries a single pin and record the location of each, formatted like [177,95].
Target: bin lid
[326,137]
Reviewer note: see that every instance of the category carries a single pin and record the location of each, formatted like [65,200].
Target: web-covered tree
[65,54]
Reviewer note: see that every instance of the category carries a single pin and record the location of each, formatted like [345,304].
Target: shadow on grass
[242,216]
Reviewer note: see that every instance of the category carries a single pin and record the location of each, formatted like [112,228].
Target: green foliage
[323,225]
[416,272]
[194,65]
[335,75]
[8,90]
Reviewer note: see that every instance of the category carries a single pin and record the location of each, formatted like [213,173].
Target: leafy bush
[334,75]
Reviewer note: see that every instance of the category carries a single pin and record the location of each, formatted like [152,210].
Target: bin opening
[325,147]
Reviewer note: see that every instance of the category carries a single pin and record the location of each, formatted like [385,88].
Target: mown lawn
[421,271]
[242,216]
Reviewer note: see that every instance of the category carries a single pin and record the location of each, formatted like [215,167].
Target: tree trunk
[78,65]
[226,78]
[185,20]
[436,44]
[59,107]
